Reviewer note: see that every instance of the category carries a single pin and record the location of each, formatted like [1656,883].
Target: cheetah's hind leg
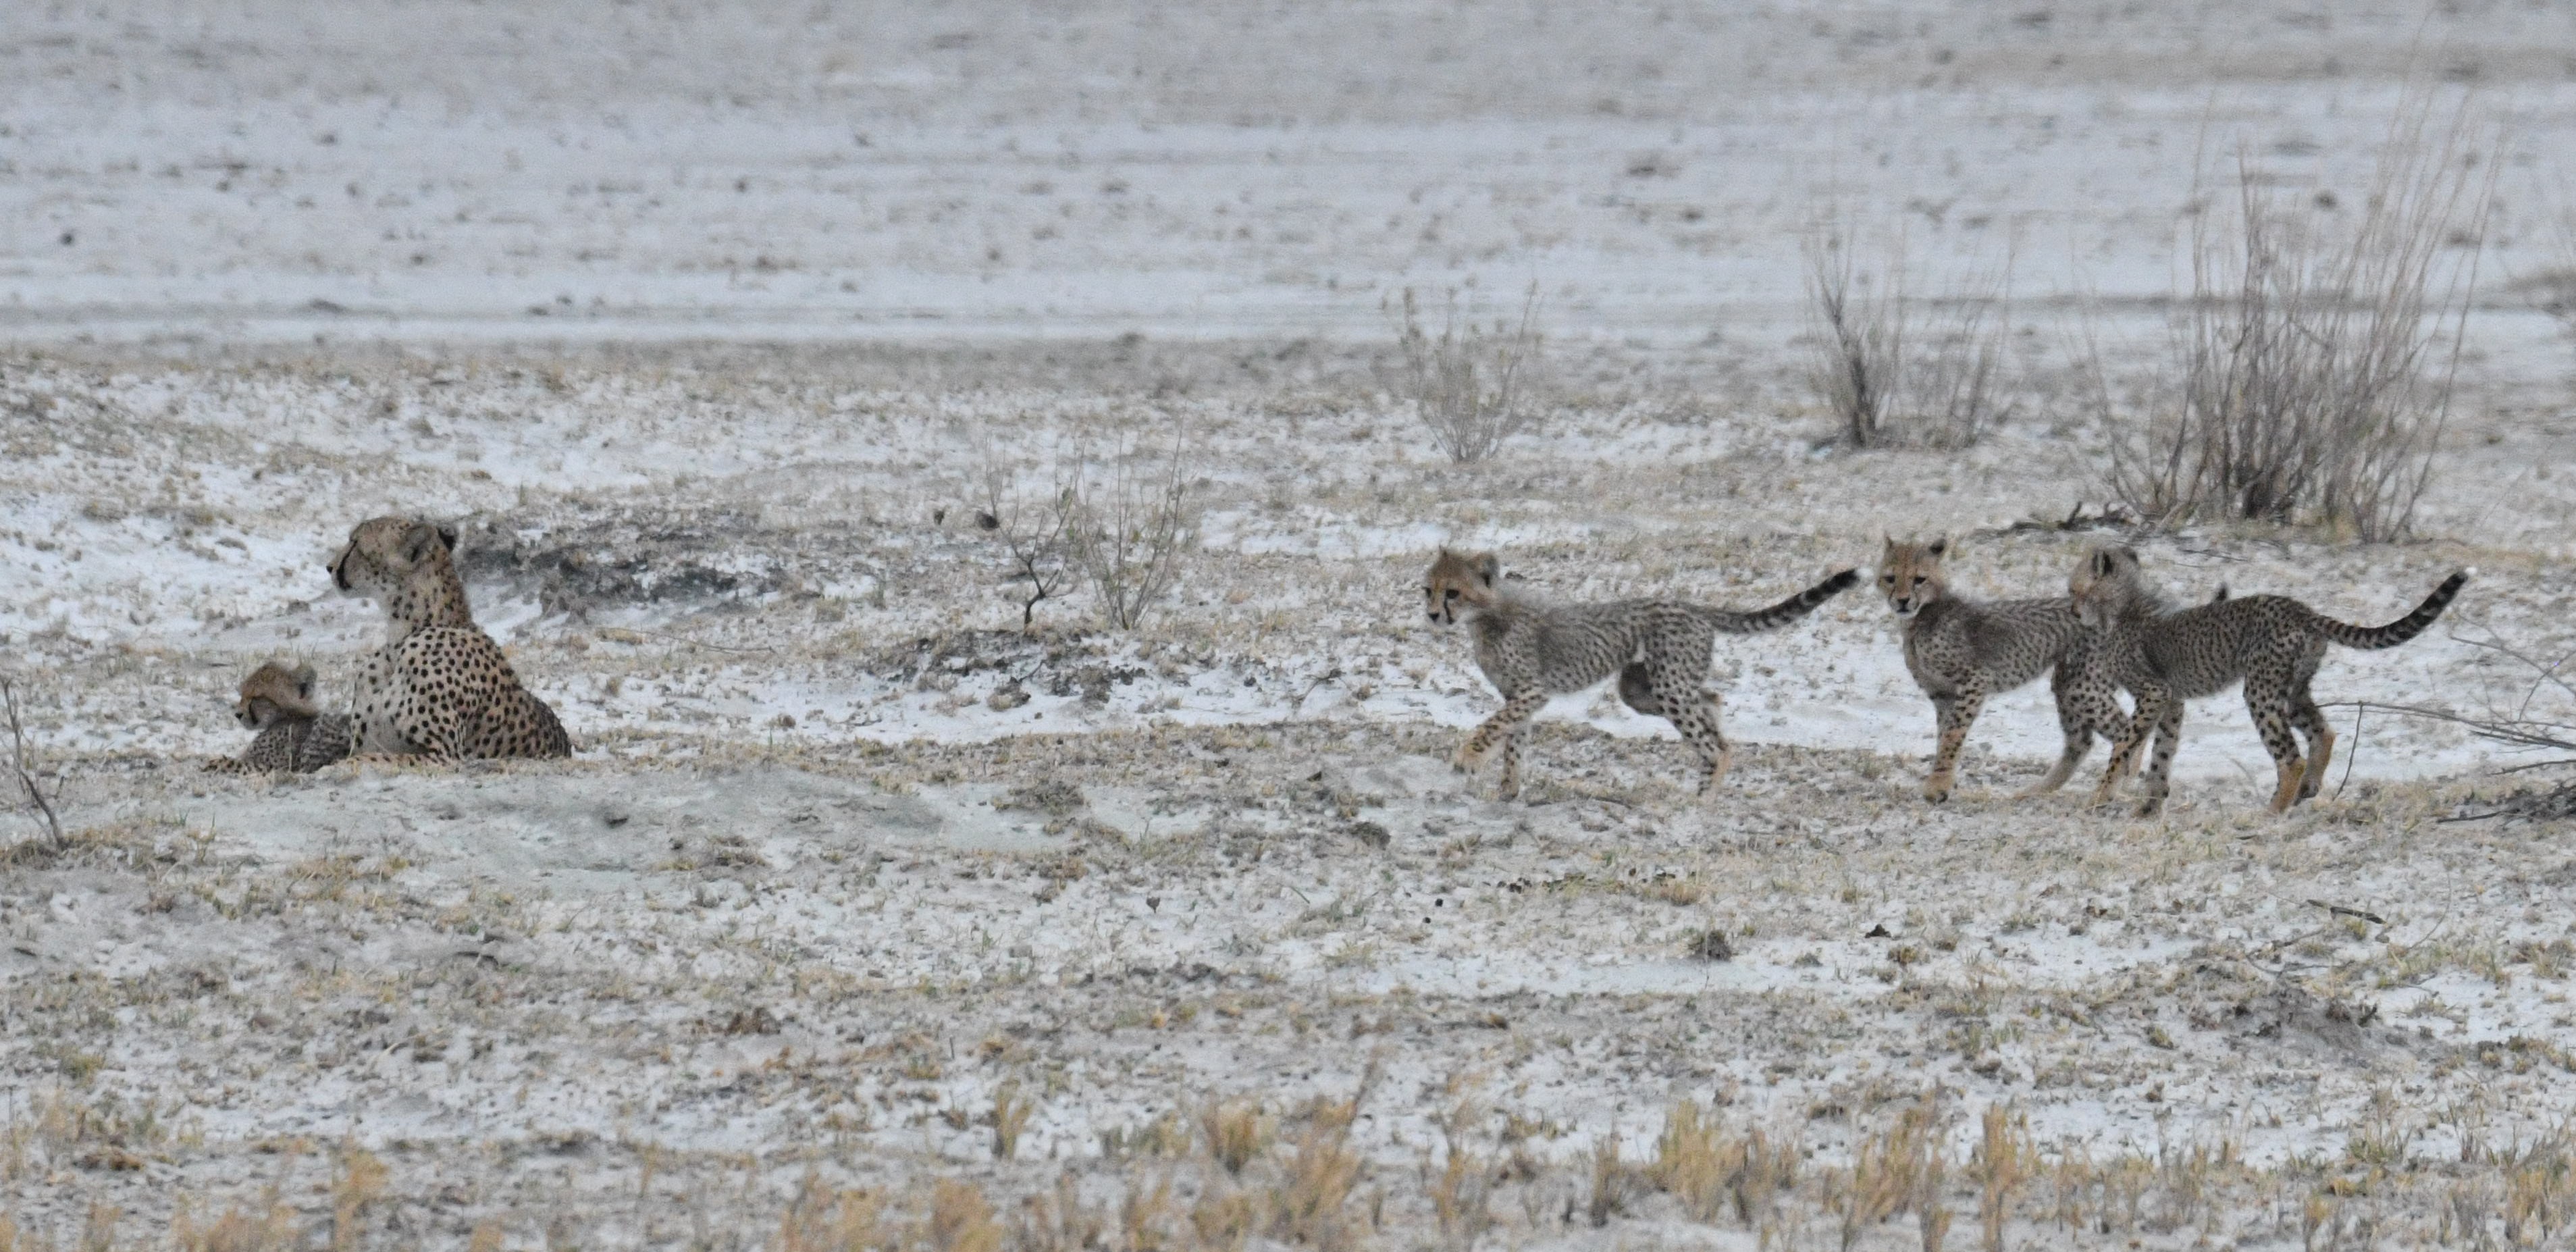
[2321,742]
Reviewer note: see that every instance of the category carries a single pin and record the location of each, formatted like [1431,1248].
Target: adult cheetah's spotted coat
[439,687]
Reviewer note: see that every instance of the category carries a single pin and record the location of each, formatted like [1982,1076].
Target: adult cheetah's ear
[419,541]
[1489,568]
[447,536]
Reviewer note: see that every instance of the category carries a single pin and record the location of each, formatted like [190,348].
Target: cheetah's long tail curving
[1783,613]
[2404,628]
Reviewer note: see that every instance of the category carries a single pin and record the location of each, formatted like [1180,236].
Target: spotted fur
[1531,650]
[2272,644]
[295,735]
[439,687]
[1963,651]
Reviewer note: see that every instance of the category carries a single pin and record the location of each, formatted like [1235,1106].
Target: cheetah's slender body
[1531,650]
[1963,651]
[439,687]
[2272,644]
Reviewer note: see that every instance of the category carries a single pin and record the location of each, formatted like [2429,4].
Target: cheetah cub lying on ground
[2273,644]
[295,735]
[1962,651]
[439,687]
[1531,650]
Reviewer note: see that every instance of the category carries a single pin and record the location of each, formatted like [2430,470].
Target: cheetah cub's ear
[304,677]
[1489,568]
[1939,546]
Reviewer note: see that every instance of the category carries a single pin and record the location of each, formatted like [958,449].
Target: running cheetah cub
[295,735]
[1531,650]
[1962,651]
[2273,644]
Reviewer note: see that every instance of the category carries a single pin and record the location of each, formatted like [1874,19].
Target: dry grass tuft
[1011,1116]
[2004,1160]
[270,1229]
[824,1220]
[960,1219]
[1236,1132]
[1310,1202]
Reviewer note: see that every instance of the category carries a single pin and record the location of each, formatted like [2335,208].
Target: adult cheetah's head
[1460,582]
[1909,573]
[384,552]
[273,691]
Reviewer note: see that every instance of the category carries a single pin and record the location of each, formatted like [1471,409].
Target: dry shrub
[1145,1216]
[1897,370]
[1695,1161]
[1031,525]
[357,1181]
[1469,383]
[2315,380]
[1236,1132]
[1133,518]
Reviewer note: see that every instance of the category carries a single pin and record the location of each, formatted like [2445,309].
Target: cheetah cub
[1962,651]
[1531,650]
[295,735]
[2273,644]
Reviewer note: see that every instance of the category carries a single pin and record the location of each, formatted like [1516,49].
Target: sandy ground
[709,328]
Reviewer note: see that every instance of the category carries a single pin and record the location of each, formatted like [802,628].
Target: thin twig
[18,764]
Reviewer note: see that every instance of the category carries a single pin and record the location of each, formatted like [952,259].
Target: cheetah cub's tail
[2404,628]
[1783,613]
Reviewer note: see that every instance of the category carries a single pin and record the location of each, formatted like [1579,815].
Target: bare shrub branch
[1885,384]
[24,770]
[2314,381]
[1469,382]
[1032,527]
[1133,517]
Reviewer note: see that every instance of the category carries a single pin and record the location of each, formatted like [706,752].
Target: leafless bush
[2314,380]
[1132,518]
[1032,527]
[23,768]
[1896,369]
[1469,382]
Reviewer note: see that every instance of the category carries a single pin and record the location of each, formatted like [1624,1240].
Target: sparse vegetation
[1470,382]
[1896,369]
[2316,349]
[1133,521]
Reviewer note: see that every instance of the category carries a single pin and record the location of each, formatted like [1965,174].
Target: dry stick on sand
[18,765]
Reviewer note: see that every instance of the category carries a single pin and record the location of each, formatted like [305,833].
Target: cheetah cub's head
[1460,582]
[1909,574]
[385,553]
[274,692]
[2105,584]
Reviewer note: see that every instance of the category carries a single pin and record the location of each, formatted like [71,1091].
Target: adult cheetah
[439,687]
